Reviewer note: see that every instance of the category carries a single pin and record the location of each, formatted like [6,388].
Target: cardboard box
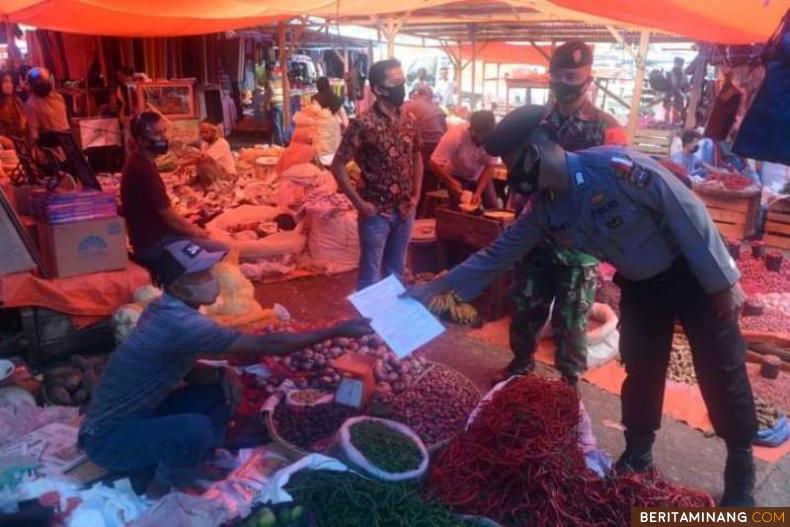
[84,247]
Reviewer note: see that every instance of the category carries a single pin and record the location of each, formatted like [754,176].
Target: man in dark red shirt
[150,218]
[385,143]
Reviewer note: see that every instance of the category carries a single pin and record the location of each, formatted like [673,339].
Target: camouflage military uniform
[554,274]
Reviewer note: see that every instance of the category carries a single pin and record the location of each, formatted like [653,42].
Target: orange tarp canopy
[718,21]
[505,53]
[721,21]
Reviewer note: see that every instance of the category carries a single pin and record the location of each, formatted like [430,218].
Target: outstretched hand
[353,328]
[424,292]
[729,303]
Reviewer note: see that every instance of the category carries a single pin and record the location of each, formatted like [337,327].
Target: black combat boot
[520,365]
[638,455]
[738,478]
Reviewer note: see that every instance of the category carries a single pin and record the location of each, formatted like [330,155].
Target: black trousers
[649,311]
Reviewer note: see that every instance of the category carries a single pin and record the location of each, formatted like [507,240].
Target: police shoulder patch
[640,176]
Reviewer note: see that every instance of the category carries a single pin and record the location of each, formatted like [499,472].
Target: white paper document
[404,323]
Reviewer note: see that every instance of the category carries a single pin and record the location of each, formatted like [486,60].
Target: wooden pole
[498,71]
[283,44]
[697,78]
[633,117]
[459,75]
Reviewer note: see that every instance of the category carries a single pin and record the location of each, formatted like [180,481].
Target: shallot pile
[681,365]
[304,425]
[72,384]
[520,464]
[437,406]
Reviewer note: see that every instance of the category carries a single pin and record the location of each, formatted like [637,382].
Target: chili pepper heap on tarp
[519,463]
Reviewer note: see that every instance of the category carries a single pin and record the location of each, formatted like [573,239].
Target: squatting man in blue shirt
[139,418]
[624,208]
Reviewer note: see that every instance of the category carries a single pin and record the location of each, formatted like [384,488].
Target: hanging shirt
[622,207]
[220,152]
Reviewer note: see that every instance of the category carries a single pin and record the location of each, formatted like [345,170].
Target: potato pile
[72,384]
[681,366]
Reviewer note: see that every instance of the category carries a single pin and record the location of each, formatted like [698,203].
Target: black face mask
[567,92]
[42,90]
[394,95]
[159,146]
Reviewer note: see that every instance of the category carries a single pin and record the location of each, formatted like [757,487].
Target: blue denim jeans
[276,115]
[383,241]
[174,441]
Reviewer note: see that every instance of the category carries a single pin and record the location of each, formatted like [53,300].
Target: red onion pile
[437,406]
[304,425]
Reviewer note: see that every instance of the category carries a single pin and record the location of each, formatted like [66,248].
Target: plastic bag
[358,459]
[774,437]
[334,242]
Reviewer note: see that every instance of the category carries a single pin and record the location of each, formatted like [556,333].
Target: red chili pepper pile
[730,180]
[520,464]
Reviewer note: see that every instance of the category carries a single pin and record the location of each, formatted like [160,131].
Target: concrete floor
[683,454]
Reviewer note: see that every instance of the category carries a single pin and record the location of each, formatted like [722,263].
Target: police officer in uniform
[625,208]
[548,274]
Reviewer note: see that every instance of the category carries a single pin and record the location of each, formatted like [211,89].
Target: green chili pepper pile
[343,499]
[385,447]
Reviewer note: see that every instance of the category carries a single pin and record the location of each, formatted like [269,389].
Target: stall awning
[721,21]
[505,53]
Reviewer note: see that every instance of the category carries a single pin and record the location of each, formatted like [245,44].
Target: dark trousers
[649,311]
[173,442]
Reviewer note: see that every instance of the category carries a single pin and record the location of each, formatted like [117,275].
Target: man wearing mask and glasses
[386,145]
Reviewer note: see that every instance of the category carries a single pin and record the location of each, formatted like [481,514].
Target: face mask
[394,95]
[159,146]
[8,88]
[695,149]
[42,90]
[204,293]
[567,92]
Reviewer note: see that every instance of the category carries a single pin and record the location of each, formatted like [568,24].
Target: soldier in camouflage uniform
[551,274]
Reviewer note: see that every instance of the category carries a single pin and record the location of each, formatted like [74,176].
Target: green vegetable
[266,518]
[344,499]
[297,513]
[385,447]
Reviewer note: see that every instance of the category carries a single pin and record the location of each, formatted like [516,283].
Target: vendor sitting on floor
[461,162]
[215,161]
[139,418]
[150,218]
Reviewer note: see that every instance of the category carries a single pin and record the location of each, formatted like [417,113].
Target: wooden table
[458,236]
[734,214]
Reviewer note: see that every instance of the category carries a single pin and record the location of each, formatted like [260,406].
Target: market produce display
[384,447]
[436,407]
[767,414]
[344,499]
[72,384]
[450,306]
[304,426]
[311,367]
[729,180]
[768,289]
[519,463]
[320,126]
[280,516]
[774,391]
[681,364]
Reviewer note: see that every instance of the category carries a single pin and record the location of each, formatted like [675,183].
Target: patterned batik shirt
[385,149]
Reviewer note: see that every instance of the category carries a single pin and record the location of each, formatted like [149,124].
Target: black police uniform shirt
[622,207]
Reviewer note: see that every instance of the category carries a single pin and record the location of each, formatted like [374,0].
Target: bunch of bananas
[450,306]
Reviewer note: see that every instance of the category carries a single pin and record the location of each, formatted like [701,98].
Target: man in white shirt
[216,159]
[461,162]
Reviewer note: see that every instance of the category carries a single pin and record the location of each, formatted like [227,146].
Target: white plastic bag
[334,241]
[358,459]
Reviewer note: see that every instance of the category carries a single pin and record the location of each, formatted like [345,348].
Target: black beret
[572,54]
[514,130]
